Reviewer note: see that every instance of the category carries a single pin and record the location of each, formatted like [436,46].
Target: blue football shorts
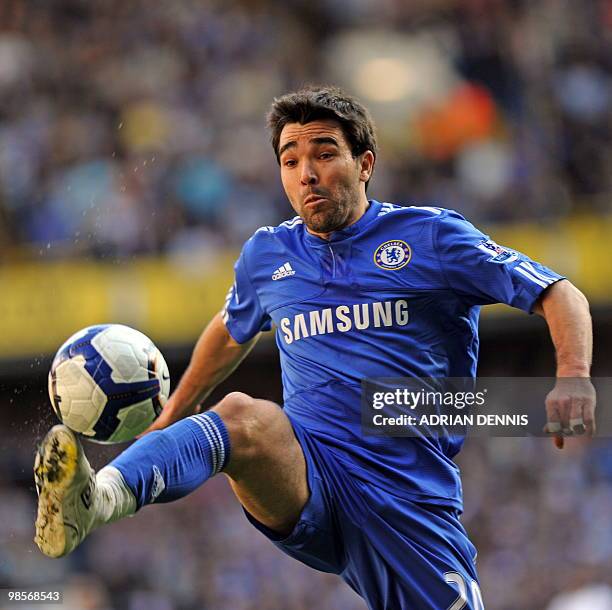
[395,553]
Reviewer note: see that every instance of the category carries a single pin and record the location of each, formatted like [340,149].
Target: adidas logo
[158,484]
[283,271]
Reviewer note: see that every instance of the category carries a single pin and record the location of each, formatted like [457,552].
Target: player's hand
[570,409]
[171,413]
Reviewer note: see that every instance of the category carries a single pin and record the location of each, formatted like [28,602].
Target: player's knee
[236,410]
[236,403]
[247,421]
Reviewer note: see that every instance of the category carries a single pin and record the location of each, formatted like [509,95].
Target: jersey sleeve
[242,312]
[482,272]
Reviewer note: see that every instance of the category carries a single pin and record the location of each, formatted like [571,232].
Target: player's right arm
[215,356]
[223,344]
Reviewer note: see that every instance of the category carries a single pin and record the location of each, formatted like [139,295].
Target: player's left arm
[481,272]
[570,406]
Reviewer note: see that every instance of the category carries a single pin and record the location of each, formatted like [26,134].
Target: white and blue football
[108,382]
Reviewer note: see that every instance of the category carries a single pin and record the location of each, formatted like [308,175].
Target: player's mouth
[314,200]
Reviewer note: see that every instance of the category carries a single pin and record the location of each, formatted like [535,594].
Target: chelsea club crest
[393,254]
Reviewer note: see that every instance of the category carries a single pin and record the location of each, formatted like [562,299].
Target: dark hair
[315,103]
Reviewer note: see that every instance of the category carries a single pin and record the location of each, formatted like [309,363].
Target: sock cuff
[217,437]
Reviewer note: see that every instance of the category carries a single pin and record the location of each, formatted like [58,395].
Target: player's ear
[366,165]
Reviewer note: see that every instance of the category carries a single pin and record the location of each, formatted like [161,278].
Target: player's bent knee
[235,403]
[237,410]
[250,423]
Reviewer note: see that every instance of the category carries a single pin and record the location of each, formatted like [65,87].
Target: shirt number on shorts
[454,578]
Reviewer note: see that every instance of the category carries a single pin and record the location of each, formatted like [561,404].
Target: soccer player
[355,288]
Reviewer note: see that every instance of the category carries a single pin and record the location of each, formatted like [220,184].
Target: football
[108,382]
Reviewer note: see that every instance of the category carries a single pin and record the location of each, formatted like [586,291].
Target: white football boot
[66,486]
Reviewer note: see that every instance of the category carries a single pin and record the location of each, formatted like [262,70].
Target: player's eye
[290,163]
[326,155]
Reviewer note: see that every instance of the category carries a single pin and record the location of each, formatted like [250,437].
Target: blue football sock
[168,464]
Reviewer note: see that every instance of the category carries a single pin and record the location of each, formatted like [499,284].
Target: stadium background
[133,164]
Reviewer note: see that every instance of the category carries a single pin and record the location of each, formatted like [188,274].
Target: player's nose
[308,174]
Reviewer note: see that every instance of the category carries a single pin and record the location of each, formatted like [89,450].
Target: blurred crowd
[540,520]
[137,127]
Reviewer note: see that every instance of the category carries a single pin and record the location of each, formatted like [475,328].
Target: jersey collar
[354,229]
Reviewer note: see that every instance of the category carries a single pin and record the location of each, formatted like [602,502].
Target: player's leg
[266,464]
[267,469]
[251,439]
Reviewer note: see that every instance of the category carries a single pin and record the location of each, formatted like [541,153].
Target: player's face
[323,181]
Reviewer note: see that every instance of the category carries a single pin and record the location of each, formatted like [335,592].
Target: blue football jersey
[396,294]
